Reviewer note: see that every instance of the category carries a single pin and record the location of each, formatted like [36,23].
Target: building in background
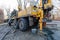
[1,16]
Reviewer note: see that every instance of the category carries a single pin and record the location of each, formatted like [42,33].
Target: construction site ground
[7,33]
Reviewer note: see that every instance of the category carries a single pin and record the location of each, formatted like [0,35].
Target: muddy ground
[7,33]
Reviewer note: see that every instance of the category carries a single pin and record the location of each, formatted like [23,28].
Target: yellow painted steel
[40,12]
[37,12]
[40,3]
[40,20]
[49,4]
[22,13]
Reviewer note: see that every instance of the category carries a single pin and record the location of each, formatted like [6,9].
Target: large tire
[23,24]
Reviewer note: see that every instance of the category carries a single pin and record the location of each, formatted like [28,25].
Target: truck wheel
[23,24]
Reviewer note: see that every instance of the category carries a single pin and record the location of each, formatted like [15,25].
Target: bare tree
[7,10]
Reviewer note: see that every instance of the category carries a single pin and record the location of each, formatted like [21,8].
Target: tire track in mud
[4,30]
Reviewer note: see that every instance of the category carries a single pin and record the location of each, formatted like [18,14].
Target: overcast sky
[9,4]
[13,3]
